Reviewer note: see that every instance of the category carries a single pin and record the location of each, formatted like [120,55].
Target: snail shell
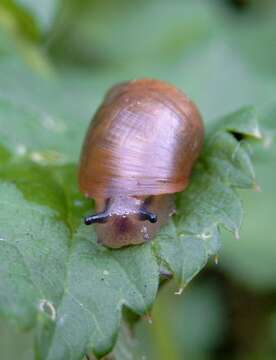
[138,151]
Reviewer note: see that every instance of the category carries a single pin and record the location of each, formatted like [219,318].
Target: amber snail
[139,150]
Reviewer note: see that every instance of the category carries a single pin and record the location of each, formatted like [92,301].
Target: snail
[139,150]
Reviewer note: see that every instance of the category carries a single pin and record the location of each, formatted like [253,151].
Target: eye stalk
[99,218]
[102,217]
[147,215]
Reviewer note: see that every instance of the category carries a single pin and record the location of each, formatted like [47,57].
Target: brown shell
[143,140]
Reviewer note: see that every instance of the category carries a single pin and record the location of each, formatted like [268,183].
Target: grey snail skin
[138,152]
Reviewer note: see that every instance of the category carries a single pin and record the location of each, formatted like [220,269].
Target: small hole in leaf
[206,235]
[238,136]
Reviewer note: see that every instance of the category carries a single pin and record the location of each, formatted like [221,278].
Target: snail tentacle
[100,218]
[147,215]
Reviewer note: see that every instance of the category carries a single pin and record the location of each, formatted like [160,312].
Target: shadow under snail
[139,150]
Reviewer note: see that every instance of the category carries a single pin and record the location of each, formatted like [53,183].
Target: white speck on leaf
[149,319]
[48,308]
[106,272]
[36,156]
[20,149]
[257,133]
[205,235]
[51,124]
[78,203]
[237,234]
[172,212]
[46,157]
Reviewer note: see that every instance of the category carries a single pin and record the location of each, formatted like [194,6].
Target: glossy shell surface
[143,140]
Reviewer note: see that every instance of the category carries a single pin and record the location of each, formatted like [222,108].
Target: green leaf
[99,283]
[230,160]
[211,200]
[37,284]
[40,137]
[184,254]
[34,246]
[56,278]
[55,189]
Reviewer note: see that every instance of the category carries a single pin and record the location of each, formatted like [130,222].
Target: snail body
[139,150]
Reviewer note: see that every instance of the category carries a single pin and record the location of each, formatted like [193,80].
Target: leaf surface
[53,273]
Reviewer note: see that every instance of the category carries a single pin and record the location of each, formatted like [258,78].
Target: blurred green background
[60,56]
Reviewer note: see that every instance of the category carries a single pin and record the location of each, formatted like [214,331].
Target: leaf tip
[216,259]
[256,132]
[179,291]
[148,318]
